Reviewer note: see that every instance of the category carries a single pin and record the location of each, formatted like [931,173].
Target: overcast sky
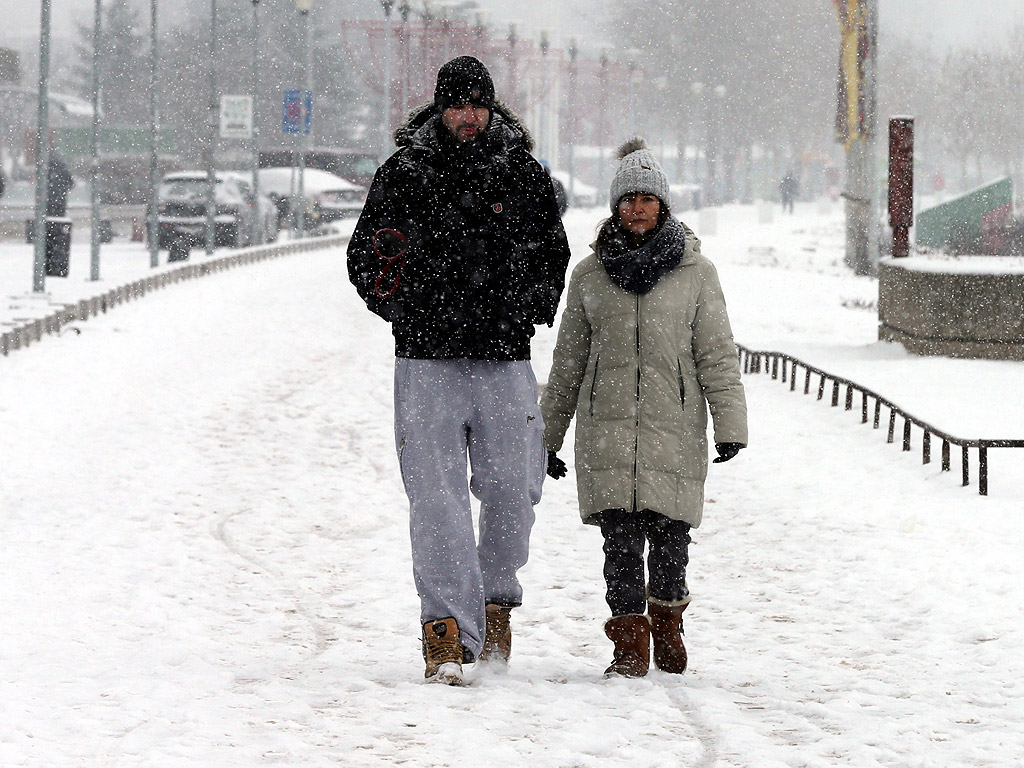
[939,22]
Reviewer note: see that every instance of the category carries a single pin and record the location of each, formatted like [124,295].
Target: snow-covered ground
[204,556]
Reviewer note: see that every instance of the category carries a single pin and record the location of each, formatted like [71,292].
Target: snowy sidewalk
[205,562]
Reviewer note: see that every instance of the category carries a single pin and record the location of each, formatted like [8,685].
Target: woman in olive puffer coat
[644,348]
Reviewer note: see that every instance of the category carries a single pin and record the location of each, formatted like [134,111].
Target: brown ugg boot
[498,638]
[666,629]
[442,652]
[632,637]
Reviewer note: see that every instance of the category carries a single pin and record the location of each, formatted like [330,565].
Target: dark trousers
[625,535]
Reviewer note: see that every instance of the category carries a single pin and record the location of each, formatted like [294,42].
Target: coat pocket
[401,462]
[593,383]
[682,385]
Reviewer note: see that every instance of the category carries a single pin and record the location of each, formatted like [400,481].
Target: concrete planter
[971,307]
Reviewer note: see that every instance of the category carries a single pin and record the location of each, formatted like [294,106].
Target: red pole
[901,183]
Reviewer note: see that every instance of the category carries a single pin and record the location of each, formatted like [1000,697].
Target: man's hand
[556,467]
[727,451]
[390,245]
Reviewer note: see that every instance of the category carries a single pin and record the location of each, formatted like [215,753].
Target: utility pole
[42,152]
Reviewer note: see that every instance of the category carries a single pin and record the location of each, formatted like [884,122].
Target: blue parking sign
[297,116]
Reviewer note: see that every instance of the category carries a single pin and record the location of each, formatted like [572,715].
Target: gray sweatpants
[444,409]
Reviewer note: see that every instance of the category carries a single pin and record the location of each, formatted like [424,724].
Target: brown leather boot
[442,652]
[498,638]
[632,637]
[666,629]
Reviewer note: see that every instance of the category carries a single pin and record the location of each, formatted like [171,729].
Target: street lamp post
[602,128]
[304,7]
[634,75]
[512,62]
[152,223]
[426,42]
[715,146]
[211,141]
[573,53]
[42,152]
[545,46]
[257,225]
[660,84]
[386,121]
[404,9]
[697,88]
[94,218]
[446,31]
[480,27]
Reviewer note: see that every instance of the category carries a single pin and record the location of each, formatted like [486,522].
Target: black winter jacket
[460,246]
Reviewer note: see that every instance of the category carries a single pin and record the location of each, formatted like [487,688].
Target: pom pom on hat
[638,171]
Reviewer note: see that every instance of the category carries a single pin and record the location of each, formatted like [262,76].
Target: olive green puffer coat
[639,372]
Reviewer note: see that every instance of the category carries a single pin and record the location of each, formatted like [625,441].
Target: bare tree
[124,52]
[775,70]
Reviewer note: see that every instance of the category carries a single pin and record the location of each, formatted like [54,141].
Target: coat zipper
[636,434]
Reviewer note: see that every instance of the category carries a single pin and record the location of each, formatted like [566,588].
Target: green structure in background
[75,142]
[974,222]
[124,159]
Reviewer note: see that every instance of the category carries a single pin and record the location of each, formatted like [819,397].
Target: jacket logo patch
[497,208]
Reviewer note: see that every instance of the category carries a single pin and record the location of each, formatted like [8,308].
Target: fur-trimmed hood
[501,115]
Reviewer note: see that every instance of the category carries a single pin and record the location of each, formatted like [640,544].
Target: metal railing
[787,366]
[53,319]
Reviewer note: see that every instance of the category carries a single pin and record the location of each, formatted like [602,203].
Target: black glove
[556,467]
[727,451]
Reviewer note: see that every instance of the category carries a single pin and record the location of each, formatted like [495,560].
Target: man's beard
[467,132]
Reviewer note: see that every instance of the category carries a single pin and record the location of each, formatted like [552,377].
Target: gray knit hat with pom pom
[638,171]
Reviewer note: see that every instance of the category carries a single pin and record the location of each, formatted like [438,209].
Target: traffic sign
[236,117]
[297,116]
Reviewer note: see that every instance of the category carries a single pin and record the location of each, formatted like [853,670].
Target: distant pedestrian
[3,182]
[644,347]
[460,247]
[59,183]
[788,188]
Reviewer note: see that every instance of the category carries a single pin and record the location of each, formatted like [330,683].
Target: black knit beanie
[464,80]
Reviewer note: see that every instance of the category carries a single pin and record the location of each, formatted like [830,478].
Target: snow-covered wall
[951,312]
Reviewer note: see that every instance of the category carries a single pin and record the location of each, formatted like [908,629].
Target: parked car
[357,166]
[181,211]
[328,197]
[266,206]
[582,195]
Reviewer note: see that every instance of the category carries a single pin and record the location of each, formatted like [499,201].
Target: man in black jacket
[461,248]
